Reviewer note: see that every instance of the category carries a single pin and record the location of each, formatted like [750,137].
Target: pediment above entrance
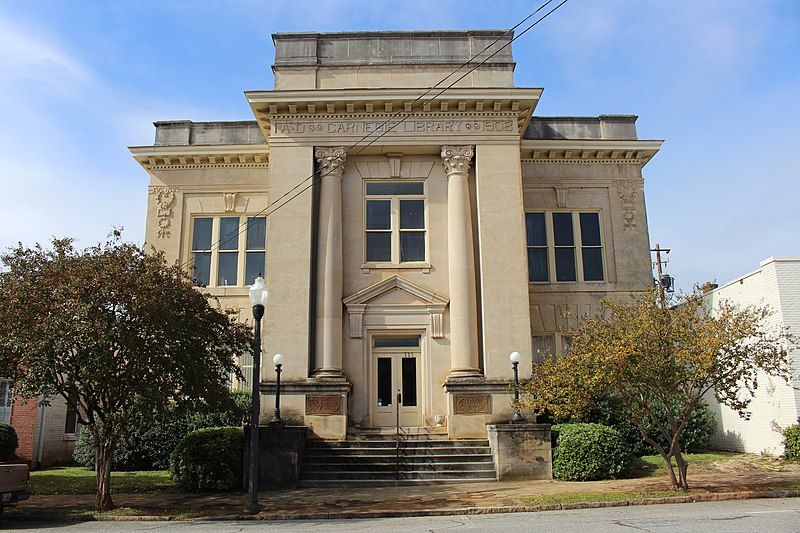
[395,295]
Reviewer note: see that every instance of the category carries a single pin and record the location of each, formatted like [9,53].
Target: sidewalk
[737,481]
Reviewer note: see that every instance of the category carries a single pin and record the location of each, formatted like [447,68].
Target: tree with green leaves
[656,360]
[117,333]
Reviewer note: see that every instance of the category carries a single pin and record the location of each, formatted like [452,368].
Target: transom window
[225,255]
[554,238]
[394,222]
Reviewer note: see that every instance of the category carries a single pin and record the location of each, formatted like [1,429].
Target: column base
[329,374]
[464,373]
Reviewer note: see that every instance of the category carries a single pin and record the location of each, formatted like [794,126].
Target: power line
[384,131]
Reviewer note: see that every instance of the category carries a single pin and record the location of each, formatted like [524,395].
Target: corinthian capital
[457,159]
[331,160]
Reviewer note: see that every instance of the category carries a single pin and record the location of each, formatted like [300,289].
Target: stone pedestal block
[280,456]
[521,451]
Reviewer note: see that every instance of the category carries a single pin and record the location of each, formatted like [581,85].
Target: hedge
[791,442]
[209,460]
[589,452]
[148,445]
[696,436]
[8,442]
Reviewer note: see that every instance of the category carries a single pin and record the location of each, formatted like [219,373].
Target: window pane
[537,265]
[254,266]
[201,239]
[592,264]
[534,227]
[409,375]
[256,233]
[396,342]
[202,267]
[412,246]
[71,422]
[565,264]
[229,233]
[228,266]
[412,214]
[590,229]
[384,381]
[562,229]
[379,214]
[394,188]
[379,246]
[544,347]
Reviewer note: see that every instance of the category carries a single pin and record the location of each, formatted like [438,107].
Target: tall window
[394,222]
[237,254]
[5,401]
[71,422]
[554,239]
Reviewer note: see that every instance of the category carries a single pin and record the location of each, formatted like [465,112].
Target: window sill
[226,291]
[69,437]
[425,268]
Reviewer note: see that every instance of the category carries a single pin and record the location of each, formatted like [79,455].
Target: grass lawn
[653,465]
[607,496]
[79,480]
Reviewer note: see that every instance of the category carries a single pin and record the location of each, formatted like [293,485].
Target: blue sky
[719,80]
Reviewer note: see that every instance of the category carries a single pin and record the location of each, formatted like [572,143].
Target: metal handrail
[397,437]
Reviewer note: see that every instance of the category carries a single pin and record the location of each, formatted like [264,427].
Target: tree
[117,333]
[656,362]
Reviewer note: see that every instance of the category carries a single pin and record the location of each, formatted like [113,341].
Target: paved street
[774,515]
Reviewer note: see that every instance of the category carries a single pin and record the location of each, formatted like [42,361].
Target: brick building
[776,283]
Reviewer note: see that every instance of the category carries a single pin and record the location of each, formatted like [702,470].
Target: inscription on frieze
[471,404]
[323,404]
[425,126]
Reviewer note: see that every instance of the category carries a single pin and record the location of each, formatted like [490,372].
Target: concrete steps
[371,458]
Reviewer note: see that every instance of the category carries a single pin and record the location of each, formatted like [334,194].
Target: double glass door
[396,382]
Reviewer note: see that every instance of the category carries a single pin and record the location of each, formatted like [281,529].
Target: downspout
[39,444]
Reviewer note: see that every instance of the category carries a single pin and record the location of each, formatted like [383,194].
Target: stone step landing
[371,458]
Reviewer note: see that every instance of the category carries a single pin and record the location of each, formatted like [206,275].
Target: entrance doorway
[396,369]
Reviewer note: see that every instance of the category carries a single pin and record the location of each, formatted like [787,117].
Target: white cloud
[29,55]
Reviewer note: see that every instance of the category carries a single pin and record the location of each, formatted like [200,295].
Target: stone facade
[397,234]
[776,405]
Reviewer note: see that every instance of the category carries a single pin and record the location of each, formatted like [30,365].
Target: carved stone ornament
[471,404]
[230,201]
[331,160]
[323,404]
[627,196]
[561,196]
[457,159]
[165,201]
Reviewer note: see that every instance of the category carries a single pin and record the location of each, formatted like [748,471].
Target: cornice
[201,156]
[604,151]
[375,103]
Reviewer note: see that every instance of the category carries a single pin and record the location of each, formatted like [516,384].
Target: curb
[345,515]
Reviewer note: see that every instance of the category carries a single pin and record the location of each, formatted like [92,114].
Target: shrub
[791,441]
[149,445]
[701,427]
[588,452]
[209,459]
[8,442]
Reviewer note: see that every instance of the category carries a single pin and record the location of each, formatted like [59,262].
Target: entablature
[198,156]
[336,115]
[636,152]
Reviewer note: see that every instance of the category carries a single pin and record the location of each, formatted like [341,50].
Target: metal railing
[397,437]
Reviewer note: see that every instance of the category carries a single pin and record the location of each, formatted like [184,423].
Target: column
[461,264]
[328,348]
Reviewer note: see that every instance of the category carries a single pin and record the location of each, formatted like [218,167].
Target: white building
[776,405]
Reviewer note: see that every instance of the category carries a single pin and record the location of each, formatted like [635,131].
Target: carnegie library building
[410,239]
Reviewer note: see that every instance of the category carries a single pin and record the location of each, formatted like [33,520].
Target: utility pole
[660,280]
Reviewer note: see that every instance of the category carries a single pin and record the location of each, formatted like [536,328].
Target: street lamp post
[258,298]
[276,420]
[517,418]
